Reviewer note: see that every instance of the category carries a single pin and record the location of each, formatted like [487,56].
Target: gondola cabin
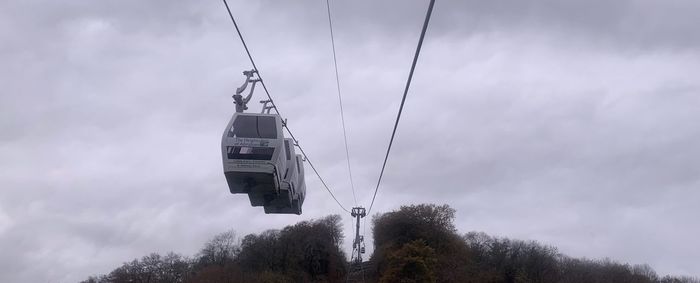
[260,162]
[253,156]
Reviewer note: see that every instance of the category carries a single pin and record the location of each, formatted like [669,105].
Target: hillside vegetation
[416,243]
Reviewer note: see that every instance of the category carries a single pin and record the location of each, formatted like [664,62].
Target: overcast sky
[573,123]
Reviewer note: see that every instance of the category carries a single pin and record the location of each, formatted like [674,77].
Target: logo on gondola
[251,142]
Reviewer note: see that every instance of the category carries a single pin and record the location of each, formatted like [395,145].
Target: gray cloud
[632,24]
[572,123]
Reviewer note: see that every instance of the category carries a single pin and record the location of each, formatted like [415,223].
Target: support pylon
[358,245]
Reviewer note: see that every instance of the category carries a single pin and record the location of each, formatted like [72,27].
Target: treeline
[417,243]
[308,251]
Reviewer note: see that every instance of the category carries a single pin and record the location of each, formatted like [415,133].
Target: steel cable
[403,100]
[340,101]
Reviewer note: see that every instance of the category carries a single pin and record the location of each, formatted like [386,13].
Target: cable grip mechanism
[241,103]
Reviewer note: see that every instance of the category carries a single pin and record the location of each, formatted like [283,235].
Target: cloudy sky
[573,123]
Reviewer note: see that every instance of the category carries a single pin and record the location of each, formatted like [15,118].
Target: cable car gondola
[259,161]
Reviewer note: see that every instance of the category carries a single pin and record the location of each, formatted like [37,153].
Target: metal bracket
[241,103]
[266,109]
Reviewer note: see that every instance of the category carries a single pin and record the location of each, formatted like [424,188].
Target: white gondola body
[293,189]
[253,156]
[298,202]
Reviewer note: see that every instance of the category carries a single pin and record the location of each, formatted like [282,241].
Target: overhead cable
[403,100]
[340,101]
